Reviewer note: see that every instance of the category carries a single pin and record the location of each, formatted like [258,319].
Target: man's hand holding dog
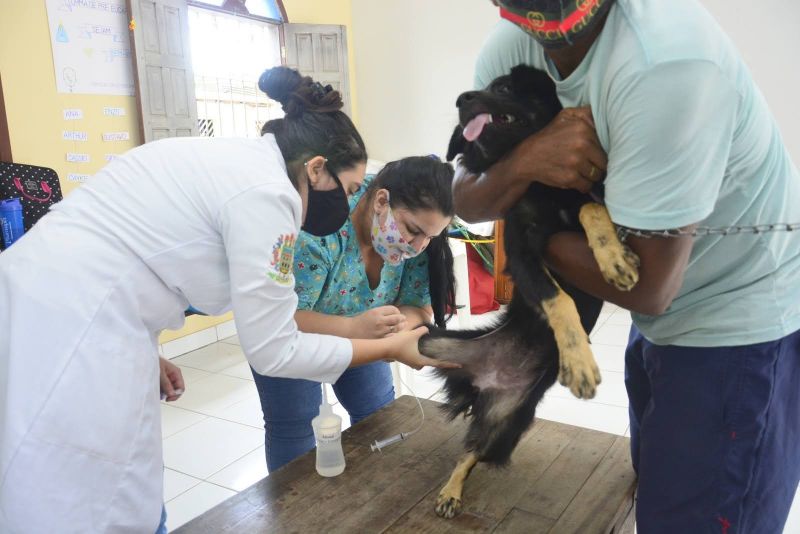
[565,154]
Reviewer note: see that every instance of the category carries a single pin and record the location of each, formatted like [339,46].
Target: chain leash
[623,232]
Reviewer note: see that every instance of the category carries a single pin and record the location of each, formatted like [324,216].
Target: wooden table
[561,479]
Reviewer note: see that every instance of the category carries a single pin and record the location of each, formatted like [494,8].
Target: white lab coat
[84,295]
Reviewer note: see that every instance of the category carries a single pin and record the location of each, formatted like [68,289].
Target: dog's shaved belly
[500,372]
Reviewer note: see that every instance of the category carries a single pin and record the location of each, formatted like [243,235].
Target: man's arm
[663,262]
[670,129]
[487,196]
[565,154]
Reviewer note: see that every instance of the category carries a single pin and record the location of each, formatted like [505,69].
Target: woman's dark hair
[425,183]
[314,124]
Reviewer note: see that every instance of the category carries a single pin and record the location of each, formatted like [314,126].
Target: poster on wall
[91,46]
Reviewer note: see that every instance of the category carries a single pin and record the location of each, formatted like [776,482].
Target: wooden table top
[561,478]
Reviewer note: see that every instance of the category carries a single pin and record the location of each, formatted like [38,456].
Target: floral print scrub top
[330,277]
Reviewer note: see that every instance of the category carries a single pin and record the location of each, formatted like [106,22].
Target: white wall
[414,57]
[767,34]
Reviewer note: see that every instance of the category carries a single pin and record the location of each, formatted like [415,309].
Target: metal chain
[623,232]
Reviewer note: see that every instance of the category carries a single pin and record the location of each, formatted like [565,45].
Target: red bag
[481,285]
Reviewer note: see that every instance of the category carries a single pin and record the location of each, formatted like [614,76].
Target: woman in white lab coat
[209,222]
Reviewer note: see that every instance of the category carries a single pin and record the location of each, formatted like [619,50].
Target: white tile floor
[213,435]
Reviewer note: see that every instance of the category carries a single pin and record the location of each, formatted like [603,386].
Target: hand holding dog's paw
[406,350]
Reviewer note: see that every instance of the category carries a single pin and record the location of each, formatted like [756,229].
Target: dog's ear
[529,82]
[457,143]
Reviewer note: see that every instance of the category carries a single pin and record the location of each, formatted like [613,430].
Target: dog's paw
[579,372]
[447,506]
[619,265]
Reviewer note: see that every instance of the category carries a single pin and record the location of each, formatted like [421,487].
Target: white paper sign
[114,112]
[77,177]
[116,136]
[69,135]
[77,158]
[73,114]
[91,46]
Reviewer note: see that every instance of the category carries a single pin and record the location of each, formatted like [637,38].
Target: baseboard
[197,340]
[226,330]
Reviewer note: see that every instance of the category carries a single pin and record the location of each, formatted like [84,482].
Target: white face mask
[388,242]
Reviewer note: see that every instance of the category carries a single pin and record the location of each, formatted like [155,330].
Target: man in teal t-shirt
[661,105]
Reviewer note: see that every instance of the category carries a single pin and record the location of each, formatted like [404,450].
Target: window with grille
[229,53]
[271,10]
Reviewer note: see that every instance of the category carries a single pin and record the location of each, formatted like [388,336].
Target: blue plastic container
[11,220]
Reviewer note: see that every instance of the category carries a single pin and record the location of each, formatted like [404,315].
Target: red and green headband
[554,22]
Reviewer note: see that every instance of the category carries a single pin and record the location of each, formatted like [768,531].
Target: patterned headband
[543,19]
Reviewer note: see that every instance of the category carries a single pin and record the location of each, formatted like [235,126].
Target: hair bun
[297,93]
[279,83]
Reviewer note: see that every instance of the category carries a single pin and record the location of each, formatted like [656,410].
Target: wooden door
[5,135]
[163,69]
[320,51]
[503,286]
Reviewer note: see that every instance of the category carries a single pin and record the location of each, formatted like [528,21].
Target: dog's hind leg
[448,503]
[618,263]
[577,368]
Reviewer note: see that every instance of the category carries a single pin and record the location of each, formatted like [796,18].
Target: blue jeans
[290,404]
[715,435]
[162,526]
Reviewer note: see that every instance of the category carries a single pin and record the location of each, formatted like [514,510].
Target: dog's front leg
[448,503]
[577,368]
[618,263]
[532,282]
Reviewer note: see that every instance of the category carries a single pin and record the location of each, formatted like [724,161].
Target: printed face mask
[554,23]
[327,210]
[388,242]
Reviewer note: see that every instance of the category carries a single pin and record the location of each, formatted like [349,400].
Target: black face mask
[327,210]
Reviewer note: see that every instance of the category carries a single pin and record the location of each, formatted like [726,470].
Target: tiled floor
[214,440]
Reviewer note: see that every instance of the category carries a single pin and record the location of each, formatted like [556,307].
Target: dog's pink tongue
[474,127]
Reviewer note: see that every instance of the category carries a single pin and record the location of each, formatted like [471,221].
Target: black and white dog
[542,336]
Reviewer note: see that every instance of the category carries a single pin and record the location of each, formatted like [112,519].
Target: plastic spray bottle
[328,433]
[11,220]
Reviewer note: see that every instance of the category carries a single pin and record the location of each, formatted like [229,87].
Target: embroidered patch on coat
[280,268]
